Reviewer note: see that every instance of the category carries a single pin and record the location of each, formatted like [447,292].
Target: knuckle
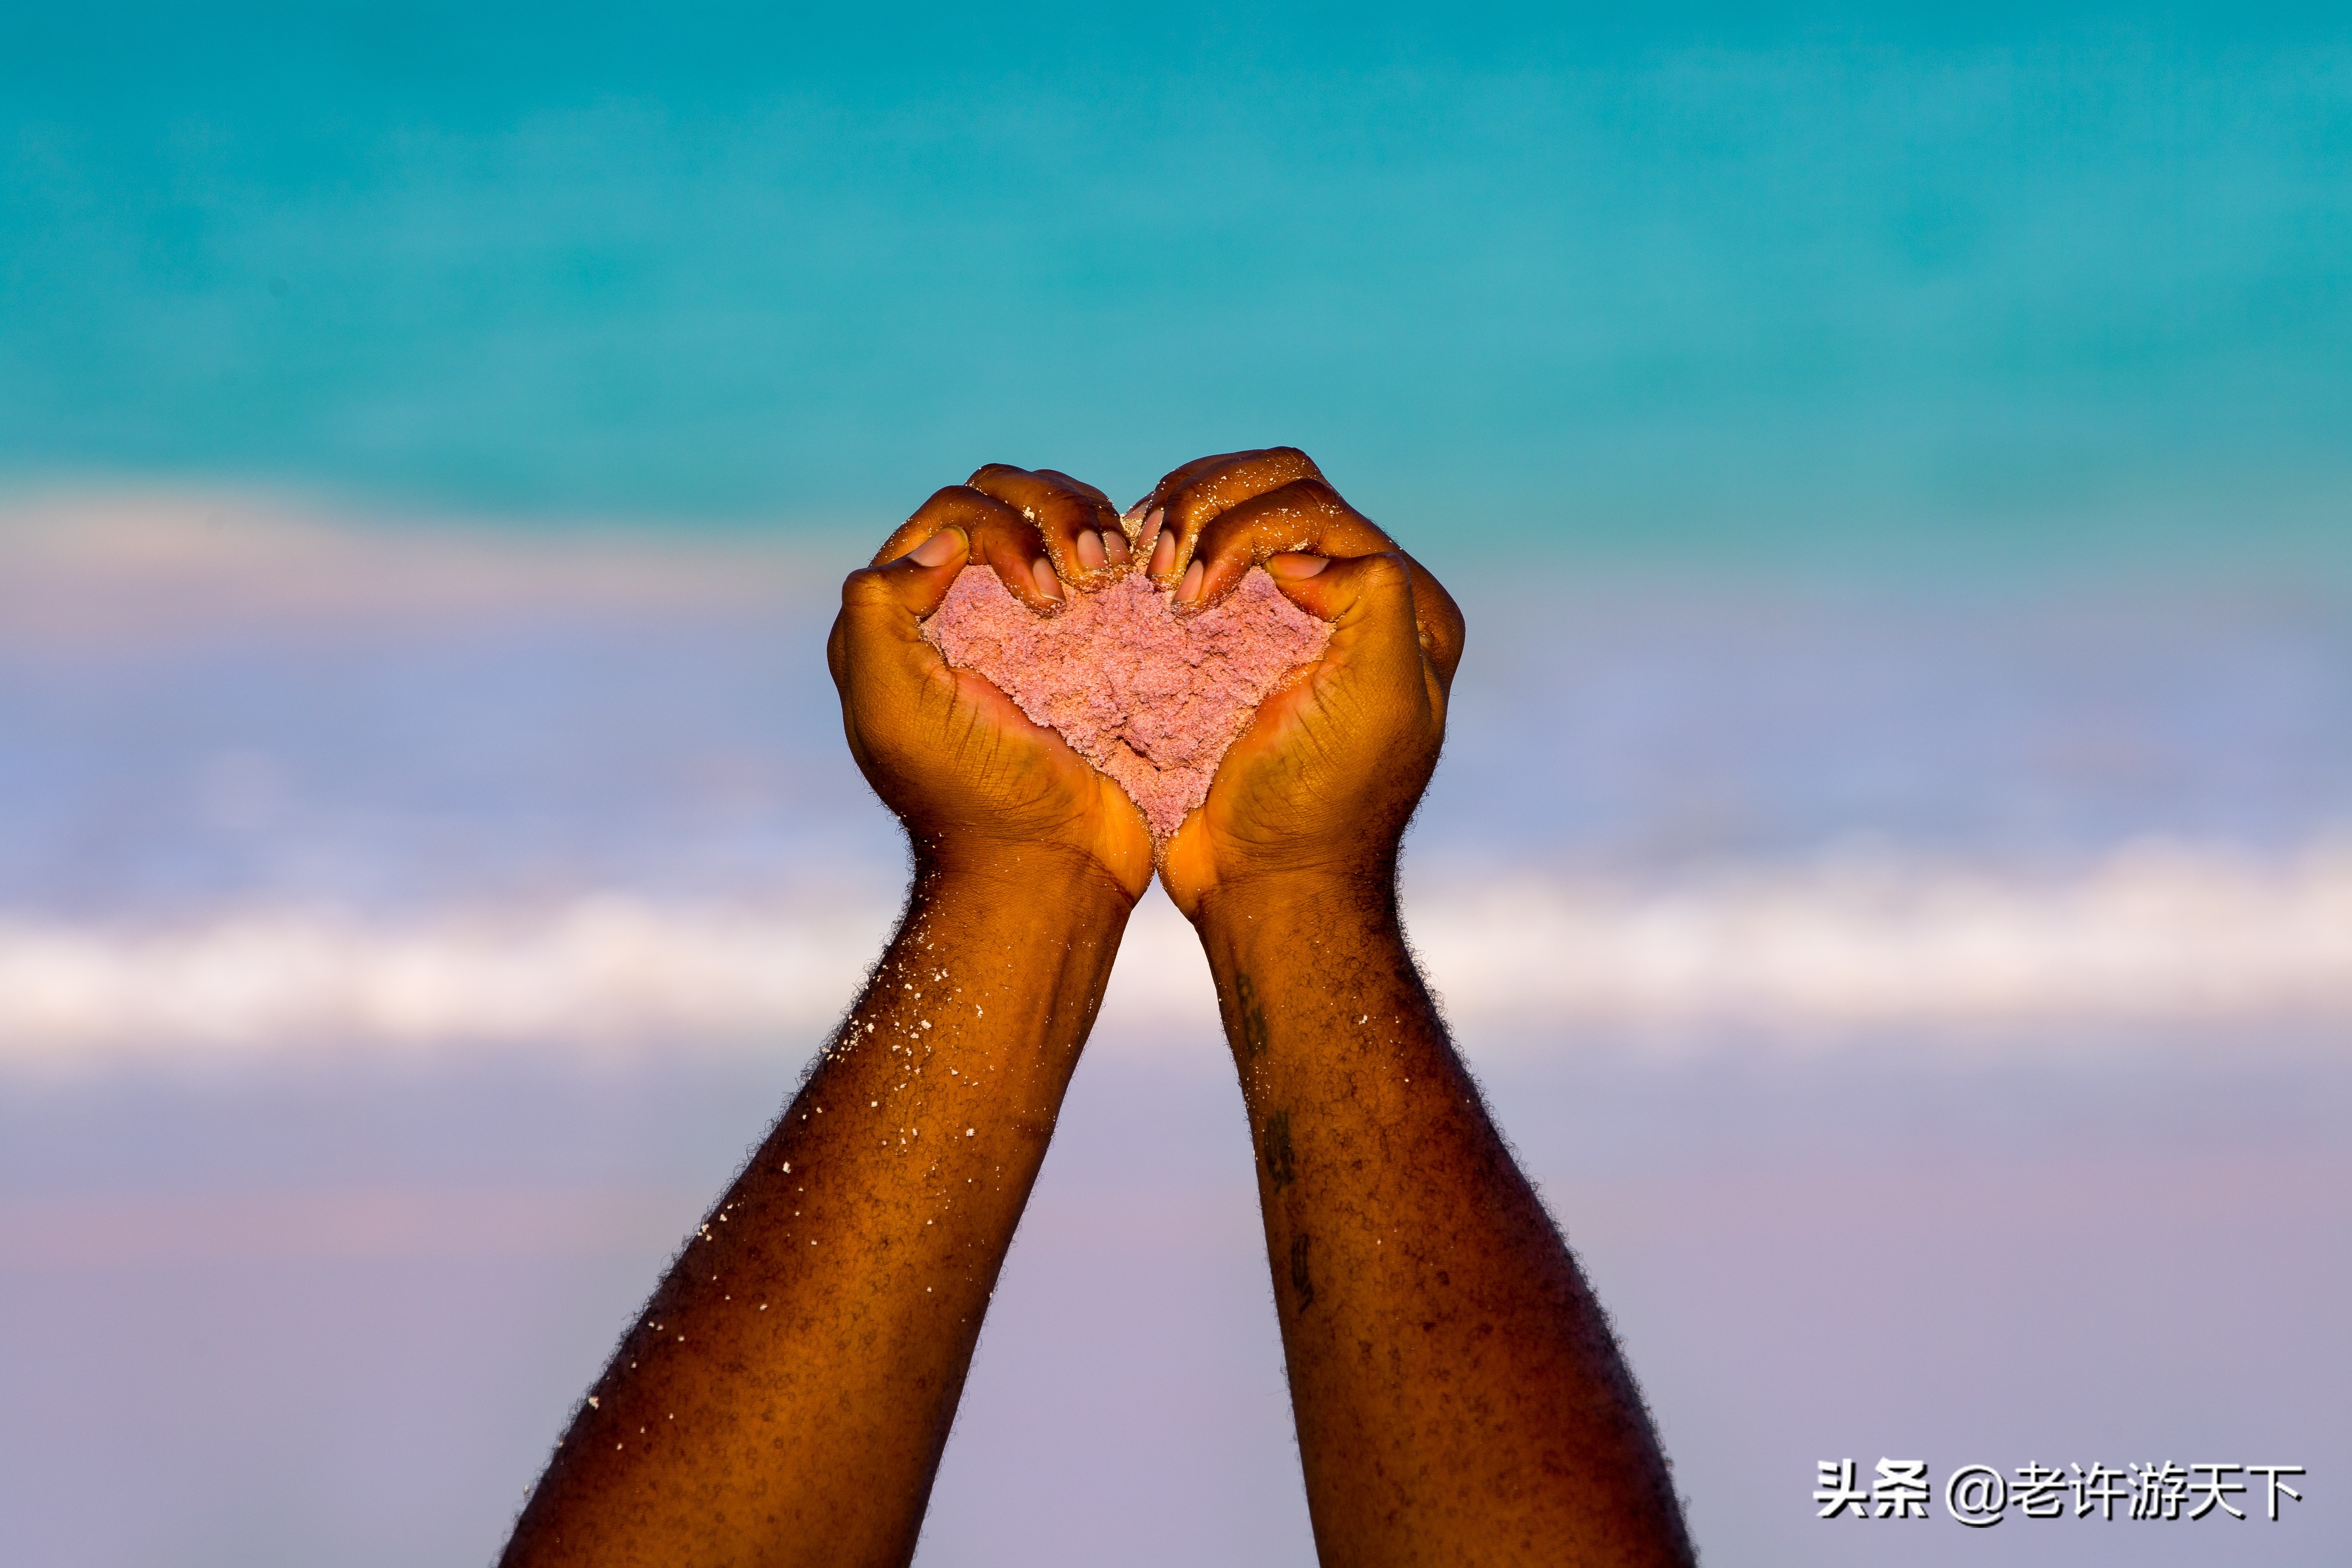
[946,497]
[1066,512]
[960,502]
[1217,531]
[999,535]
[863,588]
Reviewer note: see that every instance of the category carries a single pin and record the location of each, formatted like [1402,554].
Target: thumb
[884,604]
[920,578]
[1330,590]
[1349,593]
[1368,602]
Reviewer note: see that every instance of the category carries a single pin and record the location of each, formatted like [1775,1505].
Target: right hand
[1320,786]
[977,784]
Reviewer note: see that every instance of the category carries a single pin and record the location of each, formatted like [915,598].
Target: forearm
[787,1394]
[1459,1396]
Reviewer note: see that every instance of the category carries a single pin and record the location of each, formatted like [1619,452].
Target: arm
[1459,1397]
[787,1393]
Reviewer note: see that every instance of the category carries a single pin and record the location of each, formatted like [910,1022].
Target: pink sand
[1152,699]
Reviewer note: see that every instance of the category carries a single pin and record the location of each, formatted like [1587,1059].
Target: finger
[1328,590]
[1440,623]
[1369,601]
[953,507]
[1068,482]
[1191,504]
[1141,524]
[1147,517]
[997,535]
[1307,516]
[1345,591]
[1186,474]
[1177,476]
[882,606]
[1115,547]
[1074,521]
[1156,545]
[1304,515]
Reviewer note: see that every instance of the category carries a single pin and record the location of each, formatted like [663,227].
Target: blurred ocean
[1925,1010]
[1856,288]
[277,785]
[1892,866]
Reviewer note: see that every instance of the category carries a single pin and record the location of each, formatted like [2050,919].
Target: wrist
[1047,881]
[1280,904]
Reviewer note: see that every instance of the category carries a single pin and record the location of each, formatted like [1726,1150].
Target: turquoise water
[2031,299]
[1964,287]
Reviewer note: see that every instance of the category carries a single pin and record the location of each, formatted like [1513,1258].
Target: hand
[1322,783]
[689,1453]
[978,786]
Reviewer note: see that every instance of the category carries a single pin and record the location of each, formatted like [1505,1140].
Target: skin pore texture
[786,1395]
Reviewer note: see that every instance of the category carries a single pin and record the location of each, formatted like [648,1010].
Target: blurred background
[1892,867]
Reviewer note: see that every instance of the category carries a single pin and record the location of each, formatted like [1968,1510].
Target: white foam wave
[599,971]
[2154,936]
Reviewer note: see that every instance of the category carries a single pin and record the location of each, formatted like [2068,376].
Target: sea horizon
[1890,873]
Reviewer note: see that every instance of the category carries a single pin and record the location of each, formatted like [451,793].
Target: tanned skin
[1459,1397]
[786,1396]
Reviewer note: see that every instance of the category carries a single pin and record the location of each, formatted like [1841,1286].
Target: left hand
[976,782]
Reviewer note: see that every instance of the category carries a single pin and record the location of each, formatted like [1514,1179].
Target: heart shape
[1151,698]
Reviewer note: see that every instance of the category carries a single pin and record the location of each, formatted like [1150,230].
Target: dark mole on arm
[1281,1165]
[1250,1016]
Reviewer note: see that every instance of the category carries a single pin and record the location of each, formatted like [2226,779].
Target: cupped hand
[979,785]
[1318,791]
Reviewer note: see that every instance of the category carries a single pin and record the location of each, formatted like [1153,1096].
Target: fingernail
[1296,566]
[1163,554]
[1152,524]
[1041,571]
[939,548]
[1115,545]
[1090,549]
[1191,585]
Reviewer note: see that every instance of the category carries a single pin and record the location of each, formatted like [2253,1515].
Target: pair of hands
[1318,790]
